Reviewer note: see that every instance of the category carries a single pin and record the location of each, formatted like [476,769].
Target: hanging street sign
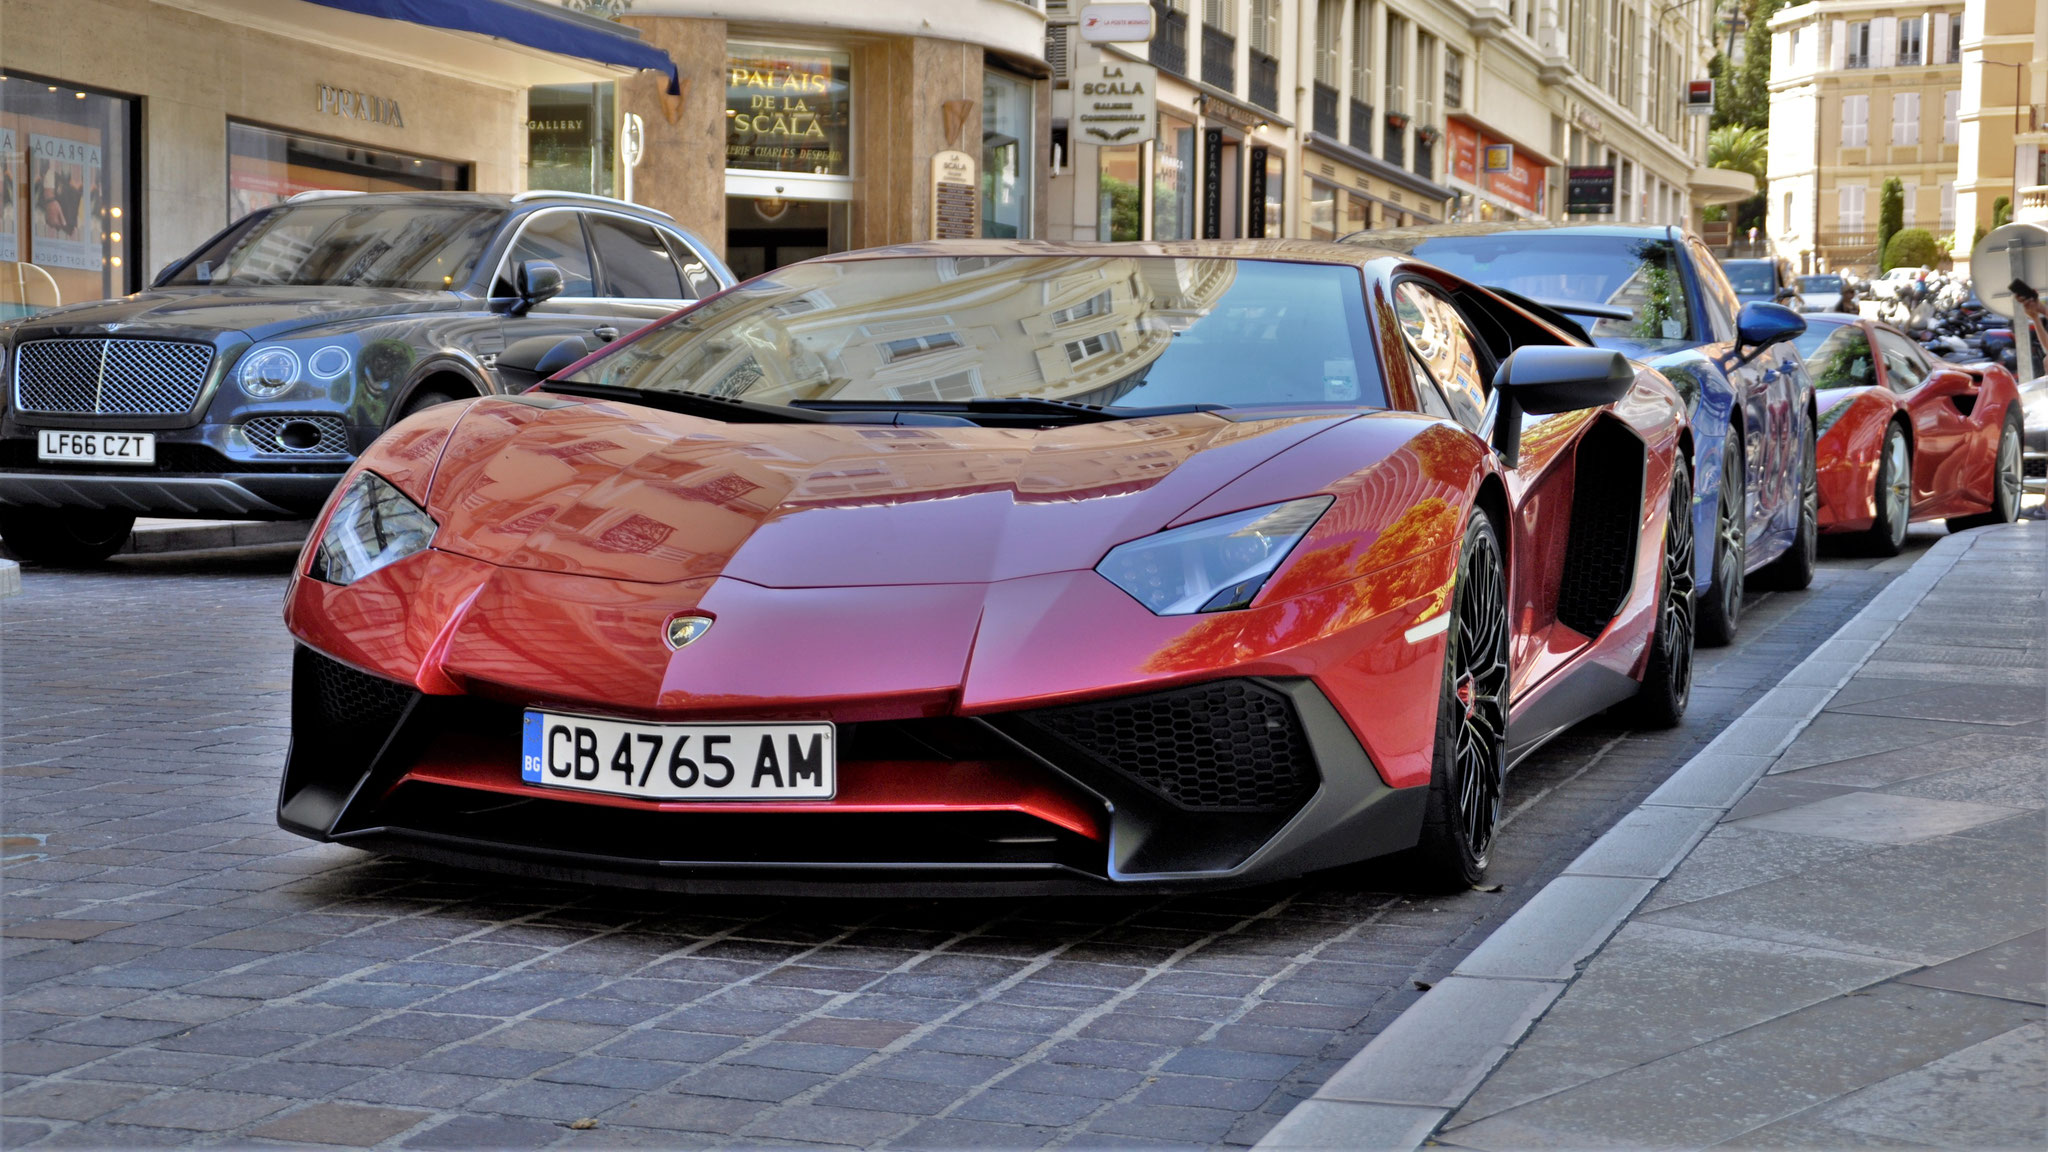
[1699,97]
[1589,190]
[1116,101]
[1116,23]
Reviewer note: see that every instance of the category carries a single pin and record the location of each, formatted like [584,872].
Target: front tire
[2007,482]
[1893,496]
[1465,779]
[1720,612]
[1667,681]
[64,537]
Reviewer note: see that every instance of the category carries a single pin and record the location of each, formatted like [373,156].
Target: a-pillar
[682,169]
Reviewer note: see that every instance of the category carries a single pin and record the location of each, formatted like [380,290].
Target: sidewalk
[1830,922]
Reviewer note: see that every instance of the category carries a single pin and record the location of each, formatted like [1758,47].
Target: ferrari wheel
[1893,496]
[1793,571]
[1667,681]
[2007,483]
[65,537]
[1472,713]
[1721,608]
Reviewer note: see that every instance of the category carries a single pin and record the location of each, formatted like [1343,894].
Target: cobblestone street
[178,971]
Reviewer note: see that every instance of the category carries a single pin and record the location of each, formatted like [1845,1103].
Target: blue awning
[530,23]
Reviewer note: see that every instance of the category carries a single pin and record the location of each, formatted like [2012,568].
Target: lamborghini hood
[623,492]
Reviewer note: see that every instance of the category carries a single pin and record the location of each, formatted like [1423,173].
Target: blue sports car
[1657,295]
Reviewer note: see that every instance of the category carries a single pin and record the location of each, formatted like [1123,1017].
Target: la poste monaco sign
[1116,23]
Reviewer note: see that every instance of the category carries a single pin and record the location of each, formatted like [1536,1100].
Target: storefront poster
[1464,151]
[787,110]
[10,197]
[1589,190]
[65,193]
[1522,184]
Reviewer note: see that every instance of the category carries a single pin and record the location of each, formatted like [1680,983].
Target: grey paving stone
[1972,704]
[1836,736]
[670,1112]
[562,1103]
[279,1078]
[1648,843]
[770,1084]
[200,1111]
[69,1099]
[1877,817]
[2013,970]
[908,1097]
[1775,793]
[348,1125]
[1435,1054]
[496,1132]
[946,1132]
[2015,782]
[1003,1106]
[818,1124]
[1734,857]
[438,1090]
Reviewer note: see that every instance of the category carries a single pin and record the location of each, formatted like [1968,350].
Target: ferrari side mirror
[1543,379]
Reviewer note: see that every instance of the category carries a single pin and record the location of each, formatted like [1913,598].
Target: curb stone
[10,579]
[186,536]
[1413,1076]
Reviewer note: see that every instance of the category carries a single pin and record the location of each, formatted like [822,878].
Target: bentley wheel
[2007,483]
[1667,681]
[1893,496]
[1721,608]
[421,401]
[1793,571]
[1463,805]
[64,537]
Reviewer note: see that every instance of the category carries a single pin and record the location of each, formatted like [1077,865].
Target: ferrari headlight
[373,526]
[267,372]
[1212,565]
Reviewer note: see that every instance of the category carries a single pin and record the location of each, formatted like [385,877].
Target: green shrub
[1891,216]
[1912,248]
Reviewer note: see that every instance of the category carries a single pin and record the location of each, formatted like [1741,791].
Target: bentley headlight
[1211,565]
[373,526]
[267,372]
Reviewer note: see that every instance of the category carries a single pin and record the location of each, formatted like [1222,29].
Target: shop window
[1174,187]
[1357,214]
[1119,199]
[1322,212]
[1006,156]
[266,166]
[569,144]
[637,265]
[67,196]
[556,237]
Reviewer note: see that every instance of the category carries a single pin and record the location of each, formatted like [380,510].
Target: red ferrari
[1905,437]
[998,567]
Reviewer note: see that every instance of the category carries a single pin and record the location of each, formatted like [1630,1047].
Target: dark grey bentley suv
[244,381]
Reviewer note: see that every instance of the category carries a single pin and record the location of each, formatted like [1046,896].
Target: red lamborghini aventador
[998,567]
[1906,437]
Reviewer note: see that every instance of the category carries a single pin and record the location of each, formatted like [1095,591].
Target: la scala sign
[1116,100]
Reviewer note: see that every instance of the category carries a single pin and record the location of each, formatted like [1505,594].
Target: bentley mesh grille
[108,376]
[265,435]
[1230,745]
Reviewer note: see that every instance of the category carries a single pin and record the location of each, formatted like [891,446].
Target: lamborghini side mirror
[1543,379]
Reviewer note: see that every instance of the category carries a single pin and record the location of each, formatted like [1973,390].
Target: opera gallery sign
[1116,100]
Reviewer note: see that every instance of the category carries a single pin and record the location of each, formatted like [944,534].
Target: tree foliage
[1739,149]
[2001,212]
[1742,95]
[1891,216]
[1912,248]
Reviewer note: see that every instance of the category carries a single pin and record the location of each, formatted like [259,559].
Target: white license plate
[97,447]
[729,761]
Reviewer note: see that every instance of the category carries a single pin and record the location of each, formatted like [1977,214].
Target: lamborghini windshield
[1636,273]
[937,332]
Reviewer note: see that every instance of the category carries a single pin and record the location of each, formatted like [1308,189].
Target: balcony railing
[1425,157]
[1219,58]
[1856,60]
[1325,106]
[1265,90]
[1361,126]
[2033,206]
[1170,41]
[1395,152]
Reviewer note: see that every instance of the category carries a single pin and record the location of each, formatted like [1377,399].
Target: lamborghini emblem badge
[683,629]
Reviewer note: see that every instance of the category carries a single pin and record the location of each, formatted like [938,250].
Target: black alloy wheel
[1893,495]
[2008,482]
[1721,609]
[64,537]
[1465,781]
[1667,681]
[1793,571]
[421,401]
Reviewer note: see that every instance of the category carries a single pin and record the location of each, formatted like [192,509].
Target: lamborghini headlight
[1211,565]
[373,526]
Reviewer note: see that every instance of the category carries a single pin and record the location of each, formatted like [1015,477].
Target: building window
[1454,79]
[1329,41]
[68,185]
[1425,80]
[913,346]
[787,110]
[1905,118]
[1911,41]
[1397,66]
[569,137]
[1948,206]
[1849,207]
[1951,113]
[1174,187]
[1955,38]
[1858,55]
[1089,347]
[1095,305]
[1006,155]
[1855,121]
[1322,211]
